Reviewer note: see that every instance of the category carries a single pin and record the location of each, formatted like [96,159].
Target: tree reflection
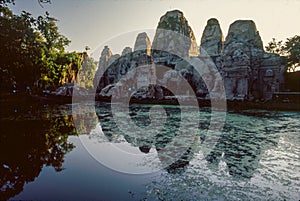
[26,146]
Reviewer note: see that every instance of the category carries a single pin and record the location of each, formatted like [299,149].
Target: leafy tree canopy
[290,49]
[32,51]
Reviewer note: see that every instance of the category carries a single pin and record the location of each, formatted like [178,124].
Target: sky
[116,23]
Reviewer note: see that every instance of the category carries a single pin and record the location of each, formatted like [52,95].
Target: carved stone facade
[248,72]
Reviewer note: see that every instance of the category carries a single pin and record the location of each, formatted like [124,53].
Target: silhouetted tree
[290,49]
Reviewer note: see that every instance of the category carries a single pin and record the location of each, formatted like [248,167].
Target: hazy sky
[93,22]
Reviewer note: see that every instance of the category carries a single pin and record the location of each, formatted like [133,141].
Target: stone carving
[247,71]
[245,64]
[212,38]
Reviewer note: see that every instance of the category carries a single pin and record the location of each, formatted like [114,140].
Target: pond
[55,152]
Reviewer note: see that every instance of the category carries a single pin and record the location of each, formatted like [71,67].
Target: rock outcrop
[173,36]
[105,56]
[212,38]
[142,43]
[69,89]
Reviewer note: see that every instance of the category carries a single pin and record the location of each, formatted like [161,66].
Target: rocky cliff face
[212,38]
[105,56]
[174,36]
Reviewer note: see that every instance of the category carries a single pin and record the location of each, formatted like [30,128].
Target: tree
[52,39]
[87,72]
[292,49]
[32,51]
[275,47]
[289,49]
[19,47]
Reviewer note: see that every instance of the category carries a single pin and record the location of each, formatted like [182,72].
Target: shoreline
[272,105]
[275,105]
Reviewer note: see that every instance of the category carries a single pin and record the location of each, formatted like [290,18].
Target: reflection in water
[243,142]
[257,155]
[256,158]
[237,162]
[26,146]
[174,151]
[240,145]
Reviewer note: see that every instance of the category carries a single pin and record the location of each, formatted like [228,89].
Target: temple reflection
[241,146]
[238,147]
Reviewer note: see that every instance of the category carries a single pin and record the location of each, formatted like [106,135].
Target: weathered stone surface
[107,91]
[243,31]
[248,71]
[271,59]
[242,65]
[126,51]
[174,37]
[151,91]
[112,59]
[212,38]
[188,71]
[105,56]
[236,82]
[119,67]
[103,64]
[143,43]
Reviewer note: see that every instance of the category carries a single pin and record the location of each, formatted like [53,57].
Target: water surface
[45,157]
